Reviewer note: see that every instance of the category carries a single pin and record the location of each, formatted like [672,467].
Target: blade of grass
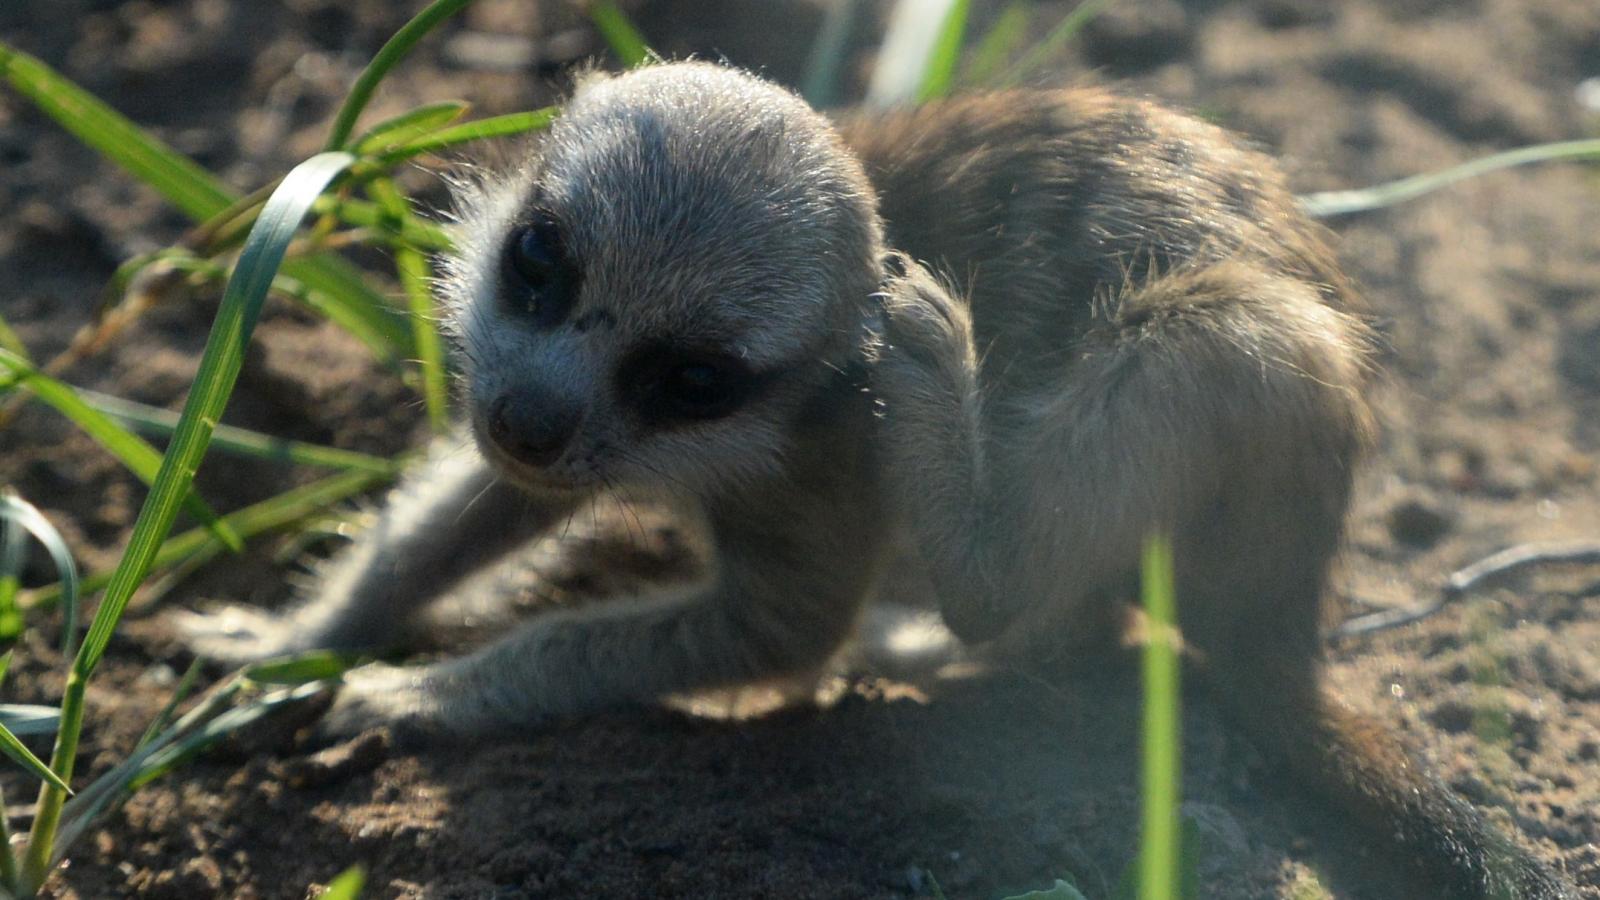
[356,309]
[80,812]
[939,71]
[416,278]
[393,50]
[140,458]
[347,886]
[188,186]
[13,550]
[17,511]
[241,441]
[277,512]
[412,232]
[1052,42]
[1159,877]
[361,310]
[192,189]
[9,339]
[316,665]
[494,126]
[820,84]
[1339,203]
[179,694]
[408,126]
[914,30]
[8,858]
[219,369]
[29,719]
[12,746]
[185,748]
[623,39]
[999,43]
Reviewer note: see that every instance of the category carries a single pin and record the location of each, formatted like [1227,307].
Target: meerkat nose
[531,429]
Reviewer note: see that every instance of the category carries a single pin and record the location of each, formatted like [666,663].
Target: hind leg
[1191,382]
[1222,405]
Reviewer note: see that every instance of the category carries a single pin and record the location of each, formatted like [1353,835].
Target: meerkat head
[681,264]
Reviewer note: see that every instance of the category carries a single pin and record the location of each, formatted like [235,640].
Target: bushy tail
[1354,762]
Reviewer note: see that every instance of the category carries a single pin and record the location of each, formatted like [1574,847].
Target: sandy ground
[1488,296]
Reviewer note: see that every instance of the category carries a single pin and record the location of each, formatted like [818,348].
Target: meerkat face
[681,265]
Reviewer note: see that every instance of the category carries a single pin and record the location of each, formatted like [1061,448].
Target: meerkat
[696,287]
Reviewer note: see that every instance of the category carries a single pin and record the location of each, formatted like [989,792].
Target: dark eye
[699,390]
[540,278]
[534,253]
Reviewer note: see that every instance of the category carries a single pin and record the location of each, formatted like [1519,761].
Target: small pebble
[1419,522]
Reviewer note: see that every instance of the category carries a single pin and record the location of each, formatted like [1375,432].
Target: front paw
[920,318]
[926,371]
[395,698]
[238,635]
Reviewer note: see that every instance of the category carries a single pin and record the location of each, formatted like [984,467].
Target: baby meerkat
[699,288]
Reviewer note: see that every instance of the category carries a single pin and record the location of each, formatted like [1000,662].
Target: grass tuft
[1159,869]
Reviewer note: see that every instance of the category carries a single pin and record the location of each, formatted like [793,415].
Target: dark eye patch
[539,279]
[664,384]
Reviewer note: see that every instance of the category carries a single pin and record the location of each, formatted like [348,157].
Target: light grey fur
[707,206]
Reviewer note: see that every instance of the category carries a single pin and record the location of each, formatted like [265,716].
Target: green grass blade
[285,509]
[241,441]
[317,665]
[80,812]
[171,756]
[8,859]
[177,178]
[999,43]
[478,129]
[416,278]
[1339,203]
[192,189]
[219,369]
[13,747]
[393,50]
[29,719]
[345,297]
[409,126]
[347,886]
[915,27]
[412,232]
[351,304]
[179,694]
[13,556]
[939,71]
[10,341]
[140,458]
[1052,42]
[17,511]
[825,62]
[623,39]
[1159,875]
